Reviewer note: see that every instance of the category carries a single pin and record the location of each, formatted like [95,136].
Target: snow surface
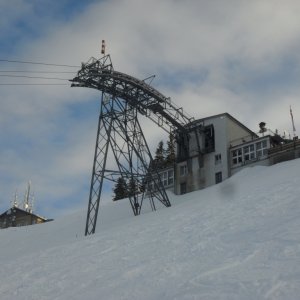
[237,240]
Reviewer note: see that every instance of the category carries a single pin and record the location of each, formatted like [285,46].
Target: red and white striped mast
[103,47]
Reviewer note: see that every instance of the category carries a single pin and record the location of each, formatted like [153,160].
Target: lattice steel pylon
[120,135]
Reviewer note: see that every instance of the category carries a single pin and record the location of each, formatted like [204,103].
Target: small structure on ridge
[21,215]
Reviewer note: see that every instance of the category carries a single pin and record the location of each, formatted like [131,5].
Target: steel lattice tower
[120,135]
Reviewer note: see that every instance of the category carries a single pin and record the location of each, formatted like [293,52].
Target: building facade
[216,147]
[15,217]
[203,155]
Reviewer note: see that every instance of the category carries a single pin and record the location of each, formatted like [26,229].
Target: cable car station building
[220,146]
[208,159]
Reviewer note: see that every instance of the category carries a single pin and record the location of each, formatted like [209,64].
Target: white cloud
[209,56]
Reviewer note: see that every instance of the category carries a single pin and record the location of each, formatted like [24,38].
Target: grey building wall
[208,166]
[202,167]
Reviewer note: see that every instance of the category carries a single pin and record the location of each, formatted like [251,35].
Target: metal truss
[120,135]
[99,74]
[120,132]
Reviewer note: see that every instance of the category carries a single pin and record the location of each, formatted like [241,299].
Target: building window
[182,147]
[183,170]
[218,177]
[183,188]
[167,177]
[218,159]
[261,148]
[209,138]
[170,177]
[164,178]
[249,153]
[237,156]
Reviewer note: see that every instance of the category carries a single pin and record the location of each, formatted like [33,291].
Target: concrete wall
[229,135]
[202,169]
[226,131]
[237,134]
[281,156]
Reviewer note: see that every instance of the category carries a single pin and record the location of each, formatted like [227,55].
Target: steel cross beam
[99,74]
[123,98]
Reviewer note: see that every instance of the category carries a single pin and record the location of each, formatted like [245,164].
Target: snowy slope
[236,240]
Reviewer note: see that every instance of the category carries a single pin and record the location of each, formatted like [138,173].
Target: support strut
[119,131]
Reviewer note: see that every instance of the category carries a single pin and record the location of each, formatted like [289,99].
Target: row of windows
[167,179]
[250,152]
[240,155]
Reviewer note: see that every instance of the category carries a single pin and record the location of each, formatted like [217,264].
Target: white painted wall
[226,130]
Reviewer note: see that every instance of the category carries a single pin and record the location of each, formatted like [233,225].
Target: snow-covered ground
[236,240]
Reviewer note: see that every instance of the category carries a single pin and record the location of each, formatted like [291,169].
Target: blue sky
[241,57]
[24,21]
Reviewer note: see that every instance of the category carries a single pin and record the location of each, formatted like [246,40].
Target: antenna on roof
[27,206]
[103,47]
[15,199]
[32,203]
[293,124]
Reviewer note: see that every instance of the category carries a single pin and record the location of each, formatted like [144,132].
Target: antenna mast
[293,124]
[27,206]
[15,200]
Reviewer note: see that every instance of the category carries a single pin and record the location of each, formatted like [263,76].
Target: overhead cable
[33,77]
[2,84]
[37,63]
[37,72]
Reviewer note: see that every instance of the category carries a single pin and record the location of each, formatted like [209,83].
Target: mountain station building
[219,146]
